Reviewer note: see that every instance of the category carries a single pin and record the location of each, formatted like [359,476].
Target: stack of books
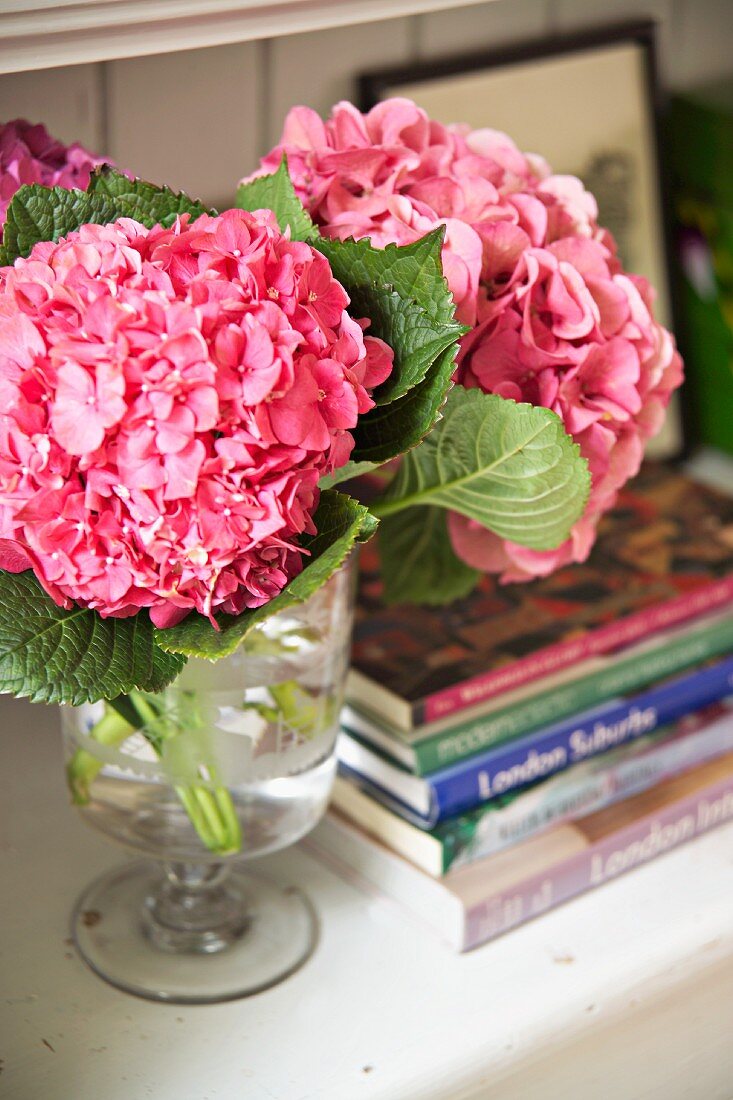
[511,750]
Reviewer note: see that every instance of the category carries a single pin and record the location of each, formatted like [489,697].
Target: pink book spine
[557,657]
[639,842]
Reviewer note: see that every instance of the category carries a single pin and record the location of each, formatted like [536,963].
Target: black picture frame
[379,84]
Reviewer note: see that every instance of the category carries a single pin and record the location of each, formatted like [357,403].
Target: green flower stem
[299,709]
[125,709]
[155,726]
[111,729]
[213,817]
[211,811]
[382,508]
[226,809]
[197,817]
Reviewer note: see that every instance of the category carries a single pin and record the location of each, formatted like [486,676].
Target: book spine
[619,678]
[564,654]
[583,790]
[601,862]
[510,766]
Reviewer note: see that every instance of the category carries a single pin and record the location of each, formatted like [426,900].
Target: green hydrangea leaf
[39,213]
[390,430]
[47,213]
[146,202]
[402,290]
[414,271]
[276,193]
[346,473]
[418,563]
[51,655]
[340,522]
[416,340]
[510,466]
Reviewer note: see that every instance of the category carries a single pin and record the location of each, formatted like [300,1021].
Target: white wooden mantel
[40,34]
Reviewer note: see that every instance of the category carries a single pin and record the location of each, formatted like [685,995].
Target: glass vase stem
[195,909]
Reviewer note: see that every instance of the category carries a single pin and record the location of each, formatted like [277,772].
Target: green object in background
[700,143]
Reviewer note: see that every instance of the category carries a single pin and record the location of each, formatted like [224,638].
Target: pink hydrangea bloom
[169,399]
[28,154]
[555,319]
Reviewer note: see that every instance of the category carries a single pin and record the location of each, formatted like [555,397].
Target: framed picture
[589,104]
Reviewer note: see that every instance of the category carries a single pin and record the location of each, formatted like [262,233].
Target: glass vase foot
[192,934]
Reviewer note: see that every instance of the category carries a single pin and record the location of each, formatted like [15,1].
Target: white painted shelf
[624,994]
[40,34]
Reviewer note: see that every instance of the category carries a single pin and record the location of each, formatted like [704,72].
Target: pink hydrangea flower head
[555,319]
[28,154]
[169,399]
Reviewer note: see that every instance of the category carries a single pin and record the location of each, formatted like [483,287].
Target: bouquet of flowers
[554,321]
[181,392]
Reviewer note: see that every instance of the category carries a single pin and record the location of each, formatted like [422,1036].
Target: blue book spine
[540,754]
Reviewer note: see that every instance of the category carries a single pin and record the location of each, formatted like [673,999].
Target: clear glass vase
[232,761]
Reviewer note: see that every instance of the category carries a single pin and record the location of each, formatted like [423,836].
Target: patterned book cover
[664,554]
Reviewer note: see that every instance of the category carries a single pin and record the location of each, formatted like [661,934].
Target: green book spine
[619,678]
